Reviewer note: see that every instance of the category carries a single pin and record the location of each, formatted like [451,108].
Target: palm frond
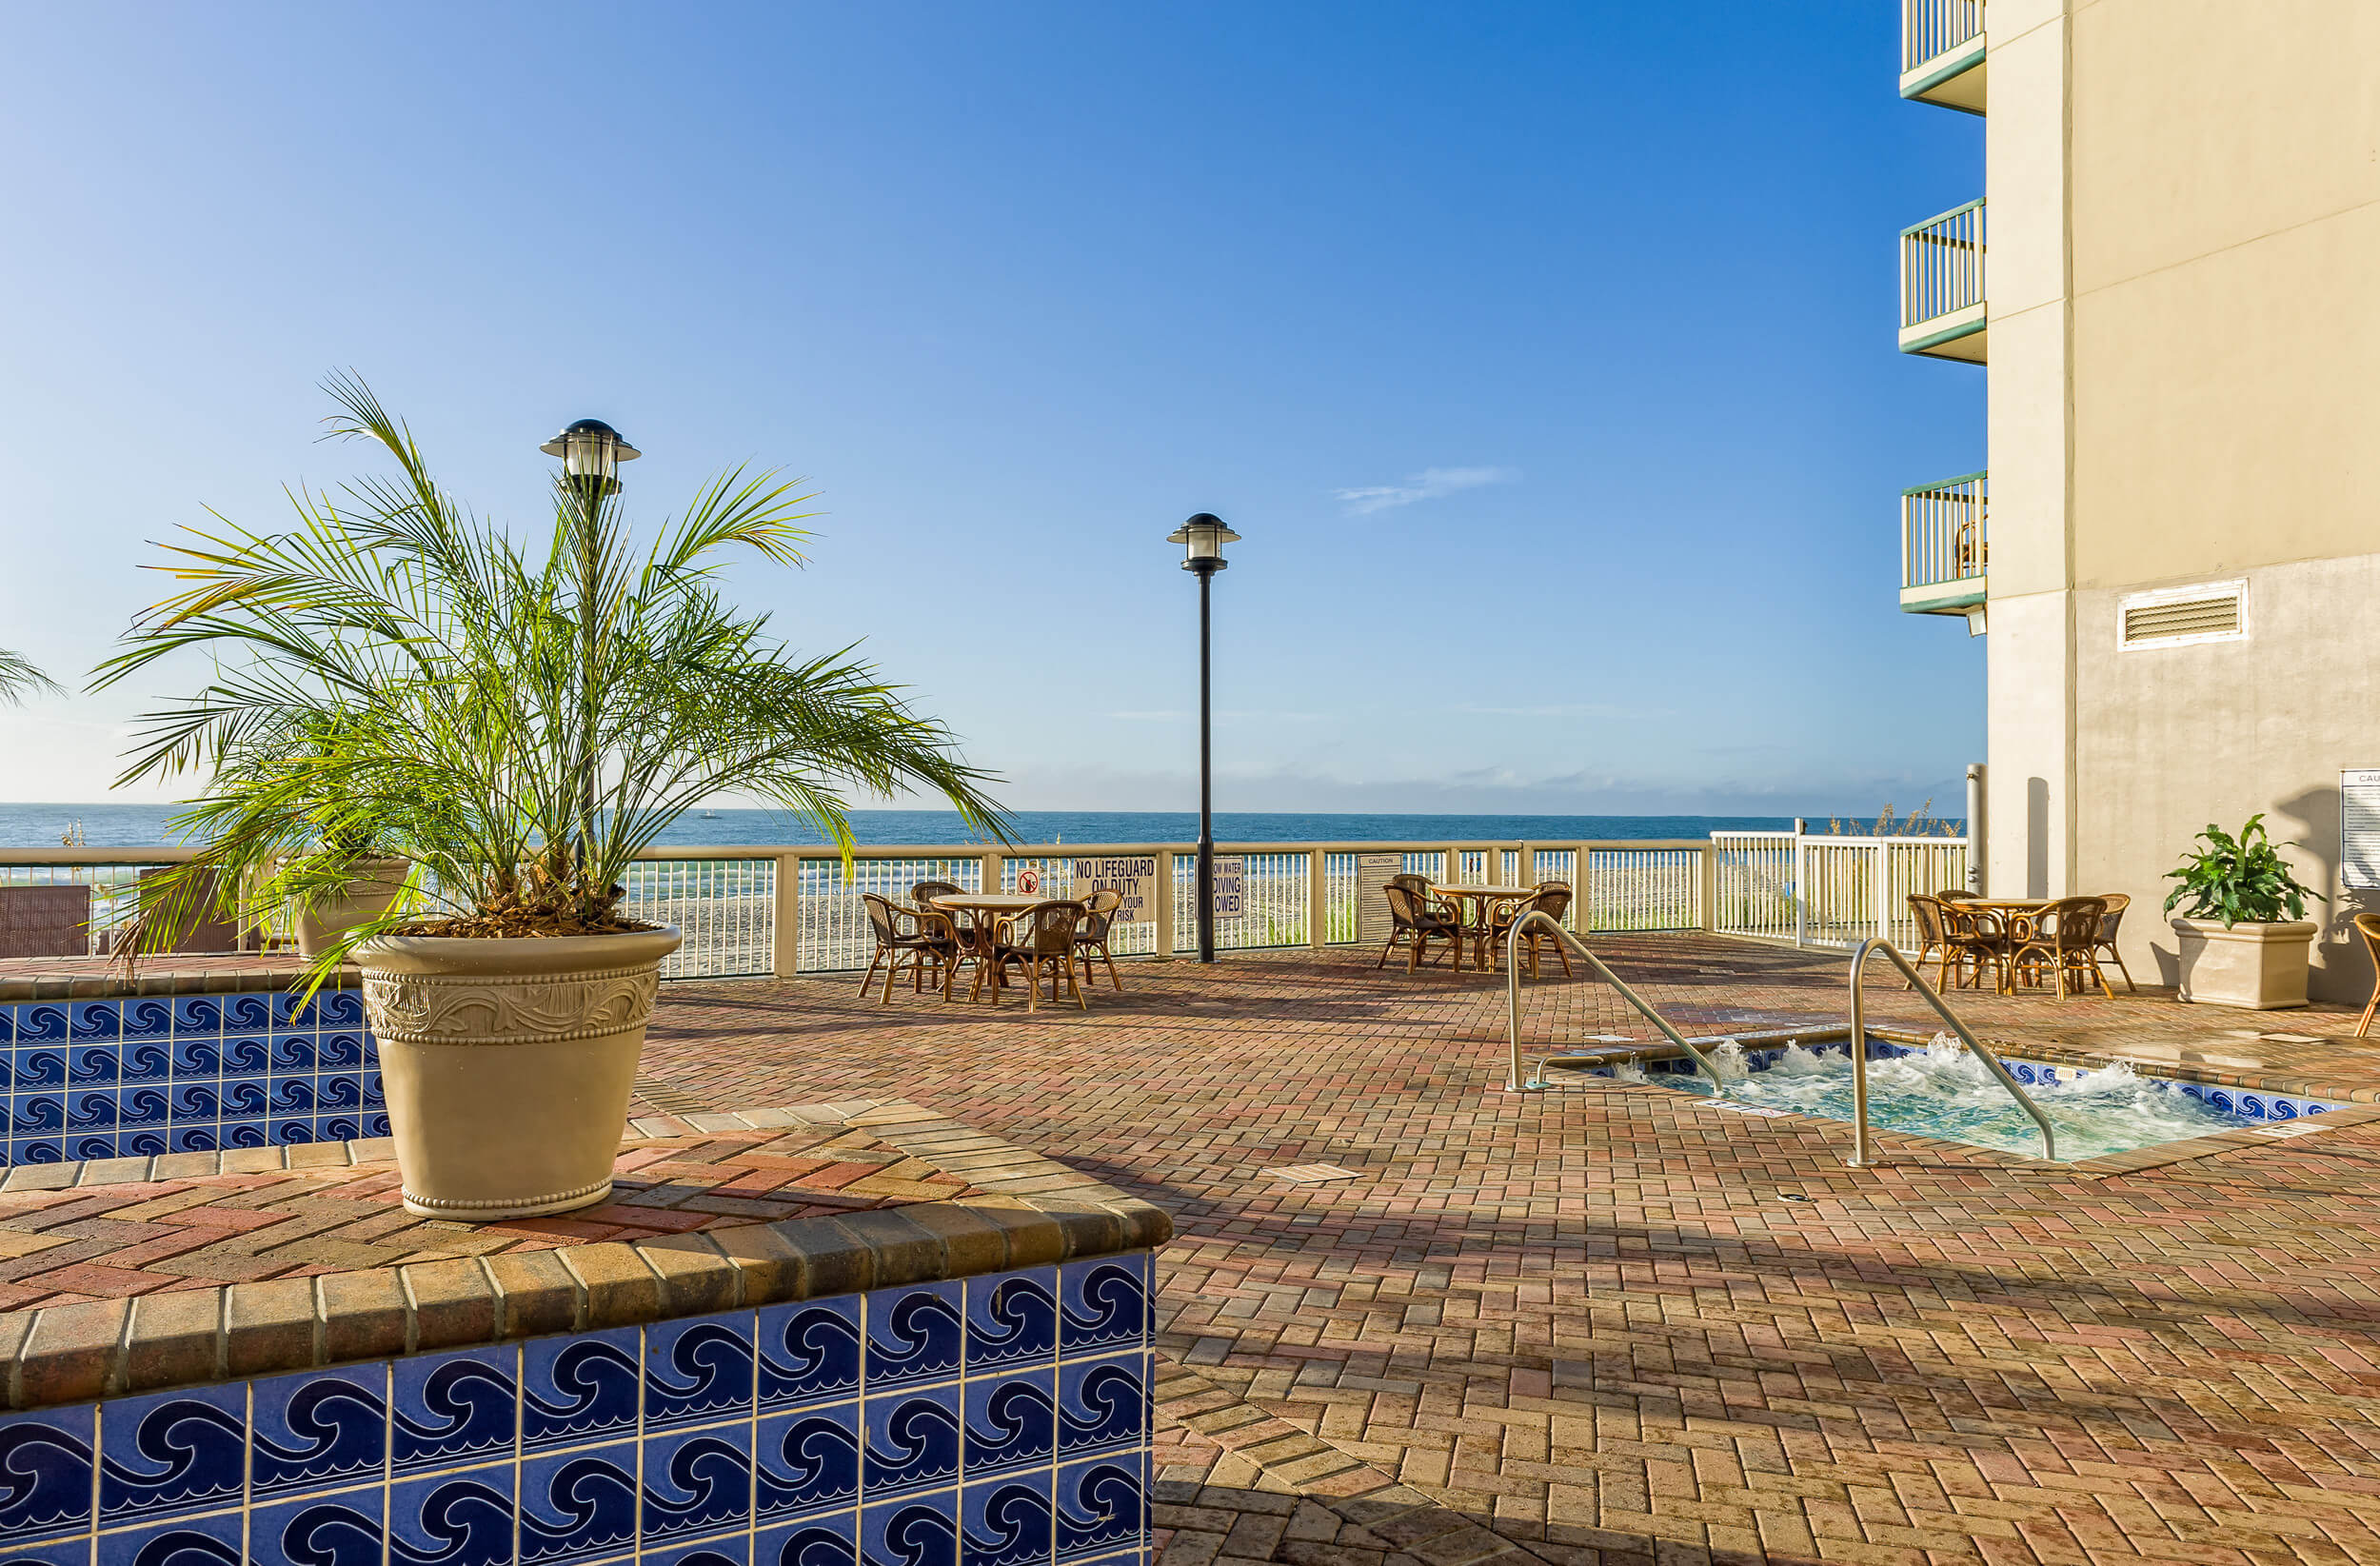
[19,678]
[390,670]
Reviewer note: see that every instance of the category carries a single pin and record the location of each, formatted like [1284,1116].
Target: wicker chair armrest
[1975,925]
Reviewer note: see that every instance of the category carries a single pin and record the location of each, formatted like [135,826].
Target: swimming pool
[1940,1090]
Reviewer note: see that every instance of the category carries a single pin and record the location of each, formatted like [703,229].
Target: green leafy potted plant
[514,725]
[2244,938]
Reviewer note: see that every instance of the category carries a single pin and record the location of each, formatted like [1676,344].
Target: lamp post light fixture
[591,452]
[1203,539]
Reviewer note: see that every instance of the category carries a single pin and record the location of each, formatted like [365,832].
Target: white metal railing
[1644,889]
[1273,898]
[1428,862]
[1931,28]
[723,906]
[1752,883]
[1341,914]
[1942,532]
[830,921]
[1942,265]
[1827,890]
[754,910]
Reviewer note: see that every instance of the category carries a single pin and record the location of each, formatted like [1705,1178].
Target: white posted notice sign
[1231,885]
[1132,877]
[2359,828]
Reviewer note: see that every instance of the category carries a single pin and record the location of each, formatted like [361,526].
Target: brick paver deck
[1608,1324]
[253,1219]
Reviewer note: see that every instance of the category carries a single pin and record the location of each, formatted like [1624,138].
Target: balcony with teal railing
[1944,547]
[1942,293]
[1942,53]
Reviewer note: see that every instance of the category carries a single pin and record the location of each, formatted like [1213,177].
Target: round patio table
[2015,928]
[1482,901]
[985,910]
[2016,908]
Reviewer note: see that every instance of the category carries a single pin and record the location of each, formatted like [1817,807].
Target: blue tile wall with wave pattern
[143,1074]
[1003,1421]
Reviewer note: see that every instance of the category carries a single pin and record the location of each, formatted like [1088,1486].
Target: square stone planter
[2258,968]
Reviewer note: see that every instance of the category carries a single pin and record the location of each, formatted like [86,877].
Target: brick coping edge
[17,989]
[1032,1211]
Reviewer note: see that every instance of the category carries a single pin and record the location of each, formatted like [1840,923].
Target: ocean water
[126,826]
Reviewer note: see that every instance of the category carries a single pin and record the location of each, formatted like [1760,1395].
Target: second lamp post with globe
[1203,539]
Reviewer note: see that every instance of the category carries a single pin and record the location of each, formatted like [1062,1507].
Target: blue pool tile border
[435,1457]
[140,1075]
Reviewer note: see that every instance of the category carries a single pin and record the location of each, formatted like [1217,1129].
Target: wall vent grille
[2216,611]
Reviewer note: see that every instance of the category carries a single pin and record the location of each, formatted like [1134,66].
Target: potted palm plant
[2244,939]
[513,725]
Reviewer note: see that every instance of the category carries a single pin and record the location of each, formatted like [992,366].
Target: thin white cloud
[1429,483]
[1158,716]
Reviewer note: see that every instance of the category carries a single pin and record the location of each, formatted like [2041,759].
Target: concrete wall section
[2184,200]
[2201,125]
[2178,736]
[2226,413]
[2028,793]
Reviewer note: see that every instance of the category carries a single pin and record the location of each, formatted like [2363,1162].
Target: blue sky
[1541,354]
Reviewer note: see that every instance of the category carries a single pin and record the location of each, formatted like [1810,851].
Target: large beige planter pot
[507,1064]
[376,884]
[2261,967]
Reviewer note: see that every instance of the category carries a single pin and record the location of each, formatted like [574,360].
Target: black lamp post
[591,452]
[1203,539]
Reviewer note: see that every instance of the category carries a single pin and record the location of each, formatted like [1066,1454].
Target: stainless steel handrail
[1861,1154]
[1538,916]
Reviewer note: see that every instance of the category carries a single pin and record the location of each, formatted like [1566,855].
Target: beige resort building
[2180,577]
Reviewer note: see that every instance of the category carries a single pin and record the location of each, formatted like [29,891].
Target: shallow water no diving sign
[2293,1128]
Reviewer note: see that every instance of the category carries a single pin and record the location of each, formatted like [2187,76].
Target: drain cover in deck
[1314,1173]
[2293,1038]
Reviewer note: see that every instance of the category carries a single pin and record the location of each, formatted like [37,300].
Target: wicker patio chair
[1099,919]
[1417,918]
[1956,894]
[958,942]
[926,891]
[2367,926]
[2061,938]
[2103,945]
[902,936]
[1927,913]
[1976,941]
[1551,898]
[1040,941]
